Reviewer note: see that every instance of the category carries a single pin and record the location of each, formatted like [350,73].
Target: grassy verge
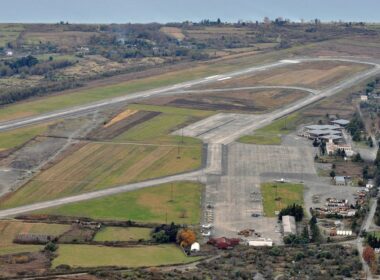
[14,138]
[178,202]
[123,234]
[271,134]
[277,196]
[94,256]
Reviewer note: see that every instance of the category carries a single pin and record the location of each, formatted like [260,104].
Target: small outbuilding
[340,180]
[289,225]
[195,247]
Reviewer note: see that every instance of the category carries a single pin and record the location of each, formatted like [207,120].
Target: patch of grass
[277,196]
[94,256]
[9,230]
[123,234]
[271,134]
[14,138]
[158,129]
[177,202]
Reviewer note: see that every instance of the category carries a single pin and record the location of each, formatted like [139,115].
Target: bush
[51,247]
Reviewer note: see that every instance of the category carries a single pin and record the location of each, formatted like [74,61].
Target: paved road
[214,154]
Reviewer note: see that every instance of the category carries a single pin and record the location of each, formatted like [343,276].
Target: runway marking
[225,78]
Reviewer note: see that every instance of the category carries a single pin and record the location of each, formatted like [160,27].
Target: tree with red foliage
[369,255]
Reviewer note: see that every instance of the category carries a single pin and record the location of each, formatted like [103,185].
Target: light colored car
[207,226]
[208,233]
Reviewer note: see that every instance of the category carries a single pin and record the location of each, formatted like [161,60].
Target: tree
[332,174]
[186,237]
[292,210]
[160,237]
[369,255]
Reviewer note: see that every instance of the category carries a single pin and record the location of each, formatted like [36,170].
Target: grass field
[99,165]
[179,202]
[286,194]
[123,234]
[271,134]
[14,138]
[93,256]
[9,230]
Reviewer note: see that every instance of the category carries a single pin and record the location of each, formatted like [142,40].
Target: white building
[289,225]
[195,247]
[262,242]
[363,98]
[9,53]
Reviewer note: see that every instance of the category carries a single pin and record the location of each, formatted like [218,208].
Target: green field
[271,134]
[94,256]
[14,138]
[179,202]
[123,234]
[286,194]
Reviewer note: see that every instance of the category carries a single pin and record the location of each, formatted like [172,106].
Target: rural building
[9,53]
[363,98]
[340,180]
[195,247]
[289,225]
[331,148]
[340,122]
[261,243]
[344,232]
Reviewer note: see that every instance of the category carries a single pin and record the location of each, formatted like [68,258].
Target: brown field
[16,265]
[122,123]
[316,75]
[99,165]
[173,32]
[240,101]
[66,38]
[121,116]
[9,230]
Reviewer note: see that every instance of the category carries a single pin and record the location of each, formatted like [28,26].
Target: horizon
[168,11]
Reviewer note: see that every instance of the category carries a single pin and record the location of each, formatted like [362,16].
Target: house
[369,184]
[363,98]
[331,148]
[340,180]
[340,122]
[289,225]
[262,242]
[9,53]
[195,247]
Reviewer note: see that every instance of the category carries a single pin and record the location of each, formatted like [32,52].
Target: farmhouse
[289,225]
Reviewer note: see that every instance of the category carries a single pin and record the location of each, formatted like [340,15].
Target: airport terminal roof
[341,122]
[324,132]
[332,137]
[322,127]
